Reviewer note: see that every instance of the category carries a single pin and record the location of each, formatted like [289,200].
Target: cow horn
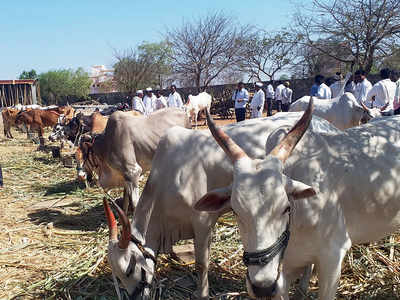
[364,106]
[227,144]
[112,224]
[286,146]
[126,228]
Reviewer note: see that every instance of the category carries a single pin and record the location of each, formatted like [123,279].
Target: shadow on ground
[89,220]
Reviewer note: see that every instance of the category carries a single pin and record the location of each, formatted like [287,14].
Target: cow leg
[202,237]
[329,268]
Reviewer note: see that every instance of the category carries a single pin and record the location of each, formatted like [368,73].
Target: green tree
[28,75]
[60,86]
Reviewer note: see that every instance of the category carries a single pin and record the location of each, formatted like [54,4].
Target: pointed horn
[126,227]
[286,146]
[364,106]
[112,224]
[227,144]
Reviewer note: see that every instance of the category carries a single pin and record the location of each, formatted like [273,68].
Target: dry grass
[54,240]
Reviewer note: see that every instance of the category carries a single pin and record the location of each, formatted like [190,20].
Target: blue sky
[48,34]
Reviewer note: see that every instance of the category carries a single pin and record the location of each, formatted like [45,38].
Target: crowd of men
[146,102]
[384,95]
[282,95]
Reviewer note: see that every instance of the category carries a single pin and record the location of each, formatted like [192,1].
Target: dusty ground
[53,239]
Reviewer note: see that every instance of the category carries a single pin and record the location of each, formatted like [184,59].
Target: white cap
[139,92]
[149,89]
[259,84]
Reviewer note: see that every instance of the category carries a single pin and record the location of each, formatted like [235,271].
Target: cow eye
[287,210]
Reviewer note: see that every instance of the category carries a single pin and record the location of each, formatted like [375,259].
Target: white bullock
[343,112]
[198,103]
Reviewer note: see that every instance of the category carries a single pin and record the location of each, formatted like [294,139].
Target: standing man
[137,103]
[149,101]
[363,86]
[160,100]
[270,95]
[286,97]
[382,93]
[314,87]
[336,87]
[278,96]
[174,99]
[396,103]
[241,97]
[257,103]
[324,92]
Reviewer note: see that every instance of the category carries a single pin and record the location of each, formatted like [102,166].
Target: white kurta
[175,100]
[161,103]
[396,103]
[287,95]
[257,102]
[384,92]
[270,92]
[149,104]
[361,91]
[278,92]
[137,104]
[324,92]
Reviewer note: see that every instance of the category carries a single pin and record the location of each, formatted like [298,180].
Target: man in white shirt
[149,101]
[257,103]
[382,93]
[241,97]
[174,99]
[270,95]
[278,96]
[137,103]
[363,87]
[324,92]
[337,85]
[396,103]
[160,101]
[286,96]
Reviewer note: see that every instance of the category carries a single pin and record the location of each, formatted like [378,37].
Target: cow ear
[298,190]
[215,200]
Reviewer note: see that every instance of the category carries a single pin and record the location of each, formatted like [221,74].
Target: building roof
[18,81]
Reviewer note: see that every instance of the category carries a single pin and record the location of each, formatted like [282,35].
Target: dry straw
[54,243]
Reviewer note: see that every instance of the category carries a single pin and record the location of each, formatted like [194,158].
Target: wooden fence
[23,92]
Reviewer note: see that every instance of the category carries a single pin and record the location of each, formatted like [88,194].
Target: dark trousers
[269,107]
[285,107]
[397,111]
[279,105]
[240,114]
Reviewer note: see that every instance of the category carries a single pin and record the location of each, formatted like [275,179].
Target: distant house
[103,80]
[24,91]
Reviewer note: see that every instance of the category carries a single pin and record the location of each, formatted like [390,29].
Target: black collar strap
[145,253]
[263,257]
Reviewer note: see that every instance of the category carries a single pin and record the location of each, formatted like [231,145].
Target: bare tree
[145,65]
[203,49]
[367,29]
[264,54]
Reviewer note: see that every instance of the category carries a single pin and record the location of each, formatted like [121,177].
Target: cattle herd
[303,185]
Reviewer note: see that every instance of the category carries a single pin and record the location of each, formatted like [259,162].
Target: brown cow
[37,119]
[96,123]
[9,115]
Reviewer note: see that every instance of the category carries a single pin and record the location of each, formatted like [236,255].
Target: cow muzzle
[261,292]
[82,176]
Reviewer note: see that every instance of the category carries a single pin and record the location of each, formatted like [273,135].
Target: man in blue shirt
[315,86]
[241,97]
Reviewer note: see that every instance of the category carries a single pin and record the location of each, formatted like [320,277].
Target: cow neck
[140,223]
